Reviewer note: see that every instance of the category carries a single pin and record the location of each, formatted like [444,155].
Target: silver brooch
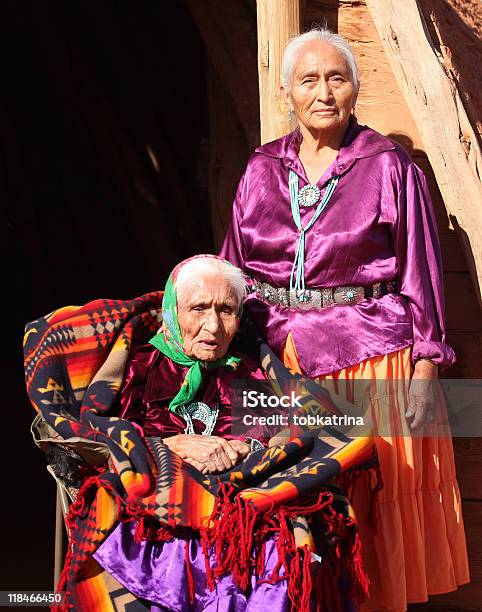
[201,412]
[309,195]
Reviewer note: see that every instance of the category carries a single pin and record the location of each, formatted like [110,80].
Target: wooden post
[447,135]
[278,21]
[229,33]
[228,152]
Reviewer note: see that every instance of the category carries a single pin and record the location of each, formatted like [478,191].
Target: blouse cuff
[437,352]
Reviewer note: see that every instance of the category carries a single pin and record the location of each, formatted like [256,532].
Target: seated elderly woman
[178,388]
[189,513]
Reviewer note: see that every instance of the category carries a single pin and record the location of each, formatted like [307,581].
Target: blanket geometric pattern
[75,359]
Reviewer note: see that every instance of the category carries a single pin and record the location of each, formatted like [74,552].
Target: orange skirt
[417,545]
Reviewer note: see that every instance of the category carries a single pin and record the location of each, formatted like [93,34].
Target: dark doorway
[103,183]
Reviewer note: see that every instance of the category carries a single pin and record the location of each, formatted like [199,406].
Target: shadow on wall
[407,143]
[464,240]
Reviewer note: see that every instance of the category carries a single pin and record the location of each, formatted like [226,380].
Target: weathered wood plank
[456,30]
[468,460]
[453,256]
[450,141]
[462,310]
[468,348]
[226,162]
[229,33]
[278,21]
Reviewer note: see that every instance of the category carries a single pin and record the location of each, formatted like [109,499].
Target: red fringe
[62,585]
[325,589]
[306,580]
[359,579]
[236,534]
[148,528]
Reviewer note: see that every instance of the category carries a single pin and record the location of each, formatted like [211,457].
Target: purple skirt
[156,572]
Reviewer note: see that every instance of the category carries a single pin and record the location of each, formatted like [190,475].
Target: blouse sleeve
[420,269]
[232,248]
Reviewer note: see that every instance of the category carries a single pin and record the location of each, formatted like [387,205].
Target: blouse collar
[359,142]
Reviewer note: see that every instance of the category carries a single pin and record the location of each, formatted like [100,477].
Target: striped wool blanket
[75,359]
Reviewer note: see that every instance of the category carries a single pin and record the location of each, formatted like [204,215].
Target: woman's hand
[242,448]
[209,454]
[421,395]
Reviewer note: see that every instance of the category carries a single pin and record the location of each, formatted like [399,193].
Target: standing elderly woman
[334,225]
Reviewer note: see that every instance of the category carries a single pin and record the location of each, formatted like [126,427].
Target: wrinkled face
[208,318]
[322,93]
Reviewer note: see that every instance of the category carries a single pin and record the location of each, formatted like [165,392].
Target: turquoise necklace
[297,279]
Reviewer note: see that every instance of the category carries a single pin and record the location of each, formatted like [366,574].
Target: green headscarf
[169,341]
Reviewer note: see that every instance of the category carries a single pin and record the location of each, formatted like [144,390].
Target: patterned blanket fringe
[147,528]
[78,511]
[237,534]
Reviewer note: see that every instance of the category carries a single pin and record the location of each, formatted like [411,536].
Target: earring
[291,115]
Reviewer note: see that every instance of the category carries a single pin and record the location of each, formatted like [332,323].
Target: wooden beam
[228,154]
[278,21]
[228,30]
[468,459]
[447,135]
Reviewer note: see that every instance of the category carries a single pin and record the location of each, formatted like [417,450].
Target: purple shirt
[152,380]
[379,225]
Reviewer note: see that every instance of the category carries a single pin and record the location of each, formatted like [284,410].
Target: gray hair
[294,46]
[196,269]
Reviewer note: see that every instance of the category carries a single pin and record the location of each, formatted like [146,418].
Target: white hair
[294,46]
[209,266]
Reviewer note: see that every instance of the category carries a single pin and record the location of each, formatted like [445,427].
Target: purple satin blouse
[152,380]
[379,225]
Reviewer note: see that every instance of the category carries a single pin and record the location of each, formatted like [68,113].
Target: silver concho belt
[318,298]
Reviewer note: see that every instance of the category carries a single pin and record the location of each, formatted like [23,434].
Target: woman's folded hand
[422,395]
[242,448]
[209,454]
